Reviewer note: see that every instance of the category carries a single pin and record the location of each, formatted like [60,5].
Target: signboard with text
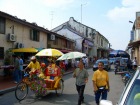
[138,20]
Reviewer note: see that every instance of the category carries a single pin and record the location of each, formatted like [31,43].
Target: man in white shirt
[134,63]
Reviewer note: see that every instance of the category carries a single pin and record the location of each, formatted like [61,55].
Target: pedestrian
[81,76]
[134,63]
[129,64]
[100,83]
[62,66]
[16,72]
[66,64]
[21,67]
[86,62]
[34,64]
[73,63]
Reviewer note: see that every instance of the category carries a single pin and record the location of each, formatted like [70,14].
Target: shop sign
[138,20]
[132,35]
[88,43]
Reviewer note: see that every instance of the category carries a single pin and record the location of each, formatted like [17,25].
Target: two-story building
[102,45]
[87,39]
[134,44]
[19,33]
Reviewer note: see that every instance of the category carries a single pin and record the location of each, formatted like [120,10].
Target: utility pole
[82,16]
[81,13]
[51,18]
[82,9]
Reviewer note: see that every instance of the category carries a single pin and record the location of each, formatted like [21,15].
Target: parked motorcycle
[116,67]
[126,77]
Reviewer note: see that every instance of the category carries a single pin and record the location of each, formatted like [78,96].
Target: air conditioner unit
[11,37]
[19,45]
[52,37]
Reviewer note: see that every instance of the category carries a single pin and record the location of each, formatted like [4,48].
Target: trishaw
[40,82]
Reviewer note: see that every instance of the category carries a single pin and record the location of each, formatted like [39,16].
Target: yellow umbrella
[49,52]
[25,50]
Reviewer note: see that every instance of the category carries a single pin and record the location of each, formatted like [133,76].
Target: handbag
[101,88]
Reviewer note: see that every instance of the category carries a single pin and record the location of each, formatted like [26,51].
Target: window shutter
[31,34]
[38,35]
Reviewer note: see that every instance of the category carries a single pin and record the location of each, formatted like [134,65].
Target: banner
[137,20]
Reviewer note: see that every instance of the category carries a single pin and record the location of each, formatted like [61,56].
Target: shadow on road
[65,99]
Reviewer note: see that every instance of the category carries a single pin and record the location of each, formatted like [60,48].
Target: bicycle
[38,85]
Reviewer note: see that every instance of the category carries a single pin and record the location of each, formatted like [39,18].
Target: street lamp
[130,21]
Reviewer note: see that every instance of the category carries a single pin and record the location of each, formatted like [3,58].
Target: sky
[109,17]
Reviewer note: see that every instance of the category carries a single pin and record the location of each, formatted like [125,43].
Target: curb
[7,90]
[13,88]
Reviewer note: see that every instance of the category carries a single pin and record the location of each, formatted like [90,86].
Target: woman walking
[100,83]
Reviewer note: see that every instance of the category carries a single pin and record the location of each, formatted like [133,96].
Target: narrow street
[69,96]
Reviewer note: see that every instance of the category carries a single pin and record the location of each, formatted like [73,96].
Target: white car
[131,93]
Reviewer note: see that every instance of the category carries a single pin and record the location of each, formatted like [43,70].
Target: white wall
[73,36]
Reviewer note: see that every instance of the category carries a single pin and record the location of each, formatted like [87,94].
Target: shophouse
[134,44]
[87,39]
[19,33]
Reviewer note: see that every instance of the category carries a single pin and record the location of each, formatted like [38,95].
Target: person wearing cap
[34,64]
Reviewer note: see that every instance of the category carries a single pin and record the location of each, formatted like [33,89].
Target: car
[112,60]
[123,63]
[106,64]
[131,92]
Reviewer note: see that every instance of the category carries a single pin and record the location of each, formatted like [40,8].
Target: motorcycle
[126,77]
[116,67]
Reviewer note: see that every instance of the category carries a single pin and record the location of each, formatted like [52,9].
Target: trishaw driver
[34,64]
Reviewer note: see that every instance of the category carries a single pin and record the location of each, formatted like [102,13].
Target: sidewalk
[7,84]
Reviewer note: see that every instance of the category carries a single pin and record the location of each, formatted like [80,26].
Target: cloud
[126,11]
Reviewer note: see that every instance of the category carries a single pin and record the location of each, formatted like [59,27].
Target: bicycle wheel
[60,88]
[21,91]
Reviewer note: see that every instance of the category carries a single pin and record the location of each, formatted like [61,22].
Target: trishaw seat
[52,71]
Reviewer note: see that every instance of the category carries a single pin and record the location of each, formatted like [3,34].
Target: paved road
[69,96]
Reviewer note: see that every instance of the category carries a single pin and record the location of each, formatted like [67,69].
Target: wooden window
[34,35]
[2,25]
[102,42]
[55,42]
[1,52]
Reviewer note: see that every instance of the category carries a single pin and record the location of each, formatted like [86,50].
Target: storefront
[135,50]
[87,47]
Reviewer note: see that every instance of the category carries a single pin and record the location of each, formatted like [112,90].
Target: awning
[30,50]
[134,44]
[89,43]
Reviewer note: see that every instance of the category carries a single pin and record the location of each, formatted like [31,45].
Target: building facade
[18,33]
[133,47]
[61,43]
[87,39]
[134,44]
